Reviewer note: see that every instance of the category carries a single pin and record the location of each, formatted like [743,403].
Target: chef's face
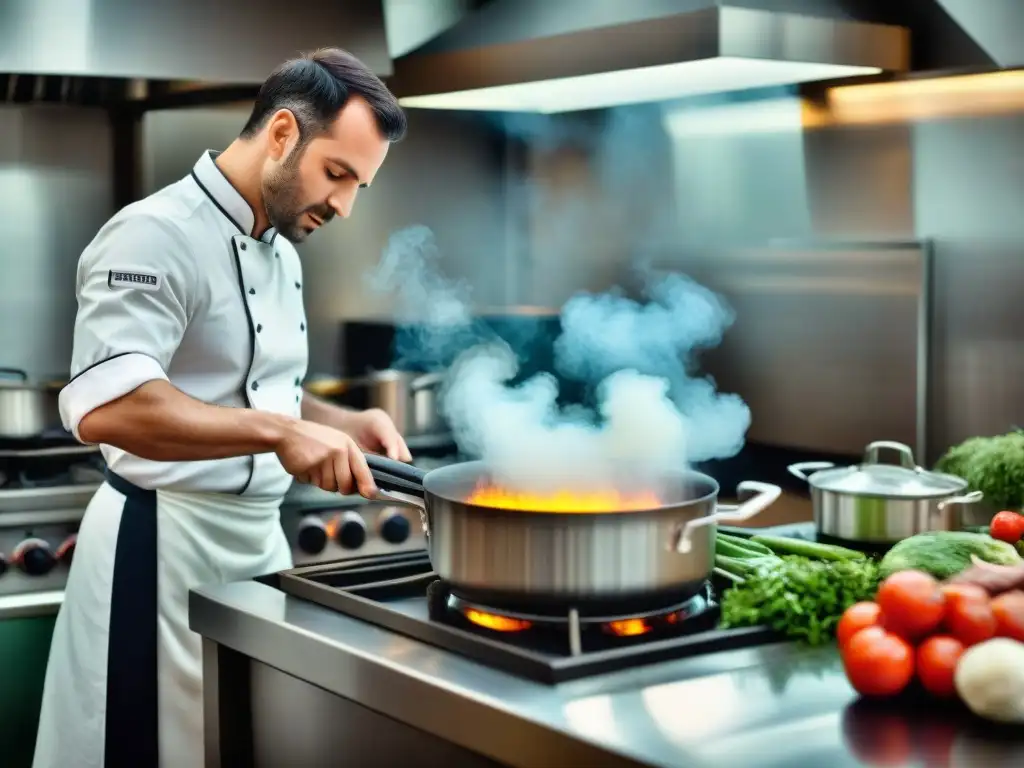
[306,184]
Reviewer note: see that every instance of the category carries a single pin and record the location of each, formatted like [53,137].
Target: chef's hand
[374,431]
[325,457]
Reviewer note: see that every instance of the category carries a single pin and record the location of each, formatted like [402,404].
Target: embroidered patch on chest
[143,281]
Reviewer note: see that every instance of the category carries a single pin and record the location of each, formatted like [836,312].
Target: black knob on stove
[393,526]
[3,565]
[312,535]
[351,530]
[34,557]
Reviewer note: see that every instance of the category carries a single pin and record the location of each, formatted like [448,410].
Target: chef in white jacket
[190,349]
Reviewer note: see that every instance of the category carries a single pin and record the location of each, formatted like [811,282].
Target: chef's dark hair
[316,86]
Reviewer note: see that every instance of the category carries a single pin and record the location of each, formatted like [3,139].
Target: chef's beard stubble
[285,202]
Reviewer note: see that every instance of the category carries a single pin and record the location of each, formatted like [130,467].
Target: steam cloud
[653,416]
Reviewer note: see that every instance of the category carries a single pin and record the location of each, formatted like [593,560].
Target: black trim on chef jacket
[252,352]
[132,724]
[216,202]
[241,288]
[101,362]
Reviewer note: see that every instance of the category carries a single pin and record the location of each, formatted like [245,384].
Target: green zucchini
[808,549]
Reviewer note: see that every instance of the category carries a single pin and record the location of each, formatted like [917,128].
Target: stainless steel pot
[509,554]
[880,503]
[27,409]
[410,399]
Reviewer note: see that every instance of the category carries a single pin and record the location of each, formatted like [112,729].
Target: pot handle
[426,381]
[399,483]
[13,373]
[968,498]
[905,453]
[804,469]
[766,496]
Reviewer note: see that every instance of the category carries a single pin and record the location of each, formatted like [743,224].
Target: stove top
[401,592]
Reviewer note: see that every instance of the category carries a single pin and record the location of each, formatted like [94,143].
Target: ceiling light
[636,86]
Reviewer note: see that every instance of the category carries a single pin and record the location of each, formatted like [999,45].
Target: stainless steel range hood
[102,49]
[566,55]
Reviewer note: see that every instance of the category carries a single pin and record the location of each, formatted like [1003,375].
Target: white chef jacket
[174,287]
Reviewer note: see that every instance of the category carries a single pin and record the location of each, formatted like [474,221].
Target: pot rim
[439,483]
[816,481]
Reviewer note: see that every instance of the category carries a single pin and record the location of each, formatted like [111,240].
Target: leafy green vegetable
[946,553]
[803,599]
[992,465]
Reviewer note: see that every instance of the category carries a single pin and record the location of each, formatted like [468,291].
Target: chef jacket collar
[229,200]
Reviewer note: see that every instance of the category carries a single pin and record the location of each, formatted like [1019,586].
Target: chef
[190,349]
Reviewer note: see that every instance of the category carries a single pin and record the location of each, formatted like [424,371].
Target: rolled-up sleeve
[136,286]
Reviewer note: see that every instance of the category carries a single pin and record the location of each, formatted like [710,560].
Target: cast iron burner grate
[400,592]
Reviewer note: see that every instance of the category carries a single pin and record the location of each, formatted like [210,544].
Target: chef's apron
[124,681]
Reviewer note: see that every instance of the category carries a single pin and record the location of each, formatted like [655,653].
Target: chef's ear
[282,134]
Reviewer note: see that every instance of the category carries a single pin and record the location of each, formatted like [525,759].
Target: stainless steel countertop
[778,705]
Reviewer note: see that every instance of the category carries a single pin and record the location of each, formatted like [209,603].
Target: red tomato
[1007,526]
[877,662]
[855,618]
[955,593]
[1008,610]
[971,621]
[912,604]
[936,663]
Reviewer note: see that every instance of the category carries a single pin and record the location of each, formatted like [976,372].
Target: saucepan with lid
[500,545]
[879,503]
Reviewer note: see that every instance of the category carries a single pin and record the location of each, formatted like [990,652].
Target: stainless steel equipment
[617,555]
[27,408]
[107,38]
[820,323]
[41,505]
[528,45]
[410,399]
[882,503]
[289,682]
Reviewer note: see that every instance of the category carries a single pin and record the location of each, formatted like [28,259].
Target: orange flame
[564,500]
[629,627]
[496,622]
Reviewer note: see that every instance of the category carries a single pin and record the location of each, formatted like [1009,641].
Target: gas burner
[546,641]
[579,626]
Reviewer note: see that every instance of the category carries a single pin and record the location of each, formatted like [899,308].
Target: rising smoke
[653,416]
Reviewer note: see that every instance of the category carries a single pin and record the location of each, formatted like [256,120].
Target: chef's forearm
[162,423]
[330,415]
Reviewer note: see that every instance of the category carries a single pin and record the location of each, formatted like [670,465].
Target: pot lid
[905,480]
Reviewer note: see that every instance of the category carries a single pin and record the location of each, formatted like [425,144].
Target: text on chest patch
[118,278]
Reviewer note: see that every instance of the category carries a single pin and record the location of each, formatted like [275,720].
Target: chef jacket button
[298,398]
[252,291]
[298,382]
[242,246]
[255,386]
[302,326]
[298,285]
[259,328]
